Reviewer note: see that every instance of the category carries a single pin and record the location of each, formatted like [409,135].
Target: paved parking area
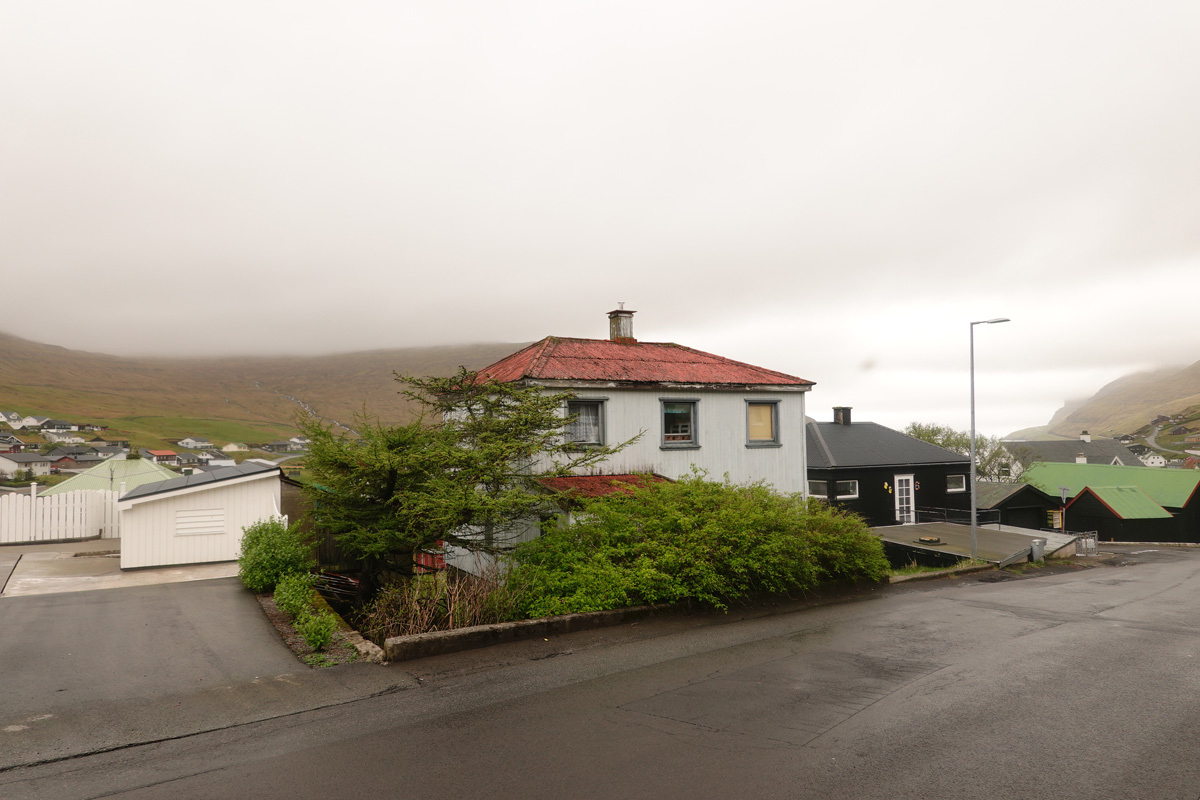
[58,567]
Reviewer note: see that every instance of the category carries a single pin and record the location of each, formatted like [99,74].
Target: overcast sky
[833,190]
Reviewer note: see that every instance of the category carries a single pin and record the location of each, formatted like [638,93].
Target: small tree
[992,460]
[498,439]
[466,473]
[378,491]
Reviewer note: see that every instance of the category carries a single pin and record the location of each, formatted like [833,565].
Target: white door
[905,511]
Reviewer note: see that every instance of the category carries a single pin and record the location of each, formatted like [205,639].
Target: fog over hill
[1130,402]
[262,392]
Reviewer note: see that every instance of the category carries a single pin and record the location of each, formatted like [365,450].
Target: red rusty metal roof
[598,485]
[629,361]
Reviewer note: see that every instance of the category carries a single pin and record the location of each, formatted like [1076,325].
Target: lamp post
[974,522]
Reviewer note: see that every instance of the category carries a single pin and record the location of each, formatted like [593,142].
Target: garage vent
[200,521]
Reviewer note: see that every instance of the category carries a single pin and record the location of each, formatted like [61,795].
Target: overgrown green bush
[294,593]
[316,627]
[713,542]
[271,550]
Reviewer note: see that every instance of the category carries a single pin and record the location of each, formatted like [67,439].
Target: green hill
[1129,403]
[152,400]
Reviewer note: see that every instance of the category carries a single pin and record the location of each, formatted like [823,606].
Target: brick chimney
[620,325]
[841,415]
[1085,437]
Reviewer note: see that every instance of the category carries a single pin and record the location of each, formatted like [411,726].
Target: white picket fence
[72,515]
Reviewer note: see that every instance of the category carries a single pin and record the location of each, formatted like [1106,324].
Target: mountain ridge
[151,397]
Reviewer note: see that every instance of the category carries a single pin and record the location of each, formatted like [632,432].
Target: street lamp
[974,522]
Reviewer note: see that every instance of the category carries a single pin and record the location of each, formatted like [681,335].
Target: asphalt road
[1063,686]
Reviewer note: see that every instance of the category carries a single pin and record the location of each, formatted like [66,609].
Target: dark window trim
[663,444]
[774,403]
[600,401]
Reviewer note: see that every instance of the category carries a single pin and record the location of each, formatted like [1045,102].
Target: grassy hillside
[1129,403]
[152,400]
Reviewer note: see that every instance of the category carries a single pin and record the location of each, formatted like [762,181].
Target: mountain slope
[1130,402]
[252,398]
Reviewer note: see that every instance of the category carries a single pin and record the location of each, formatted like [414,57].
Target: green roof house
[111,473]
[1131,504]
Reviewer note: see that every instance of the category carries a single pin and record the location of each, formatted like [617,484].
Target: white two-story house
[689,407]
[684,407]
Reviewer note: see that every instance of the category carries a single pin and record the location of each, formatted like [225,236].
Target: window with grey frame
[762,423]
[586,423]
[679,423]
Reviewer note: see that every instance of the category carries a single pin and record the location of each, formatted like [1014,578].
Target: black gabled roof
[199,479]
[832,445]
[992,494]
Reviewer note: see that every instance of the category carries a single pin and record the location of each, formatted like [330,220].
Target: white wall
[721,435]
[150,526]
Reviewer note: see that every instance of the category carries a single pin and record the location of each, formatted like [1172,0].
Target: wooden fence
[81,514]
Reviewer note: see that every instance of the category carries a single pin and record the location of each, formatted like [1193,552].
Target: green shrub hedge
[713,542]
[272,550]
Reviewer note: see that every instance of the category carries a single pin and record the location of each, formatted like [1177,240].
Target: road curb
[423,645]
[942,573]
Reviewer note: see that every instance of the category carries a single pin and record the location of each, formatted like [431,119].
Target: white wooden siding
[81,514]
[721,433]
[160,530]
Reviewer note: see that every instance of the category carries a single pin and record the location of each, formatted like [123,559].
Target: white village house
[689,407]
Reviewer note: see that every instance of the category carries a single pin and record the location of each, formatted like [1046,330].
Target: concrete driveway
[58,567]
[152,655]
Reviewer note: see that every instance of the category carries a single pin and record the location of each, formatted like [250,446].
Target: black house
[883,475]
[1018,505]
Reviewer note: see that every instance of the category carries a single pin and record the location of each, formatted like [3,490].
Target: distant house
[34,422]
[883,475]
[187,459]
[13,419]
[1124,438]
[14,464]
[277,447]
[61,436]
[1179,430]
[215,458]
[162,456]
[1152,459]
[195,443]
[59,425]
[299,442]
[113,475]
[1084,450]
[235,447]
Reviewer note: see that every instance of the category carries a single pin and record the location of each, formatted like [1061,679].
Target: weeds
[437,602]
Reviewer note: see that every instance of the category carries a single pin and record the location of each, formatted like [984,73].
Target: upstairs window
[762,424]
[679,423]
[586,426]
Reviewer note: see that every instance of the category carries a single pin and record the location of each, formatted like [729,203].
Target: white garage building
[196,519]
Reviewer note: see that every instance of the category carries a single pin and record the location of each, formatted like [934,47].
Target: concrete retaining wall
[422,645]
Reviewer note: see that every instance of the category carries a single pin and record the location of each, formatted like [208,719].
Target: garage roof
[200,479]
